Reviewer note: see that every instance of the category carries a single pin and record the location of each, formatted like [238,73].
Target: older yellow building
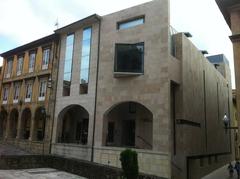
[28,93]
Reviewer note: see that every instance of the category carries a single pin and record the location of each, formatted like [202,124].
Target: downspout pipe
[95,103]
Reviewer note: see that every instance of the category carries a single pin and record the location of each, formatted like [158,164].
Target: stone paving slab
[39,173]
[6,149]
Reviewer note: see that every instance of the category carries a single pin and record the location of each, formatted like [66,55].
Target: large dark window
[129,58]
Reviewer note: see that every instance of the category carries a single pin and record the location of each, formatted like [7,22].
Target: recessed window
[68,65]
[42,90]
[19,65]
[16,93]
[129,58]
[85,60]
[32,58]
[9,68]
[5,94]
[46,57]
[131,23]
[28,95]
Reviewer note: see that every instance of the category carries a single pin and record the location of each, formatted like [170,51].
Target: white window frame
[32,61]
[5,95]
[45,60]
[29,87]
[20,65]
[42,90]
[16,97]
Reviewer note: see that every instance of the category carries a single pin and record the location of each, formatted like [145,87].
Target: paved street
[40,173]
[11,150]
[221,173]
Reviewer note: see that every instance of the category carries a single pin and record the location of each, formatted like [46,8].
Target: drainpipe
[95,104]
[57,46]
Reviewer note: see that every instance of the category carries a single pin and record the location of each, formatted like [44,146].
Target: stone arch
[73,123]
[13,120]
[39,124]
[3,122]
[25,123]
[128,124]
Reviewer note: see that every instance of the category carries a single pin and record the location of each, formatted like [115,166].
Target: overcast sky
[23,21]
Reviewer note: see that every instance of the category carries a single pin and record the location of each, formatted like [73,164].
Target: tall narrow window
[68,65]
[5,95]
[19,65]
[85,60]
[46,58]
[28,95]
[9,68]
[42,90]
[16,93]
[32,57]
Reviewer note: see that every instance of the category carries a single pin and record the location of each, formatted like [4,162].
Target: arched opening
[40,121]
[3,122]
[128,124]
[73,125]
[26,123]
[13,123]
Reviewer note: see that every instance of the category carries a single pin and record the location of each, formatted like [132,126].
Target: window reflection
[85,60]
[129,58]
[131,23]
[68,65]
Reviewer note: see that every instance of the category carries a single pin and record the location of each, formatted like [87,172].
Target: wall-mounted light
[187,34]
[204,52]
[49,82]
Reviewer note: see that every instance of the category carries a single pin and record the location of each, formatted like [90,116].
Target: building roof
[220,58]
[224,5]
[30,45]
[85,21]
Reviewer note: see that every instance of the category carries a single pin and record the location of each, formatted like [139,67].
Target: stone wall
[78,167]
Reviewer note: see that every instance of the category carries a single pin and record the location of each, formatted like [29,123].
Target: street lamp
[226,120]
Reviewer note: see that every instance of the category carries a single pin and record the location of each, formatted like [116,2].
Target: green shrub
[129,164]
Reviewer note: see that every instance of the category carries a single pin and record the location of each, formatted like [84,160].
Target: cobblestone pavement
[6,149]
[221,173]
[39,173]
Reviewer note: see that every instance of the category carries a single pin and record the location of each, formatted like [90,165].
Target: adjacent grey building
[128,80]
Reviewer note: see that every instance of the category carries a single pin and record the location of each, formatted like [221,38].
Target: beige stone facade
[27,100]
[174,106]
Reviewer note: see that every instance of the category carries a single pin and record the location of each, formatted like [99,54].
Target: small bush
[129,164]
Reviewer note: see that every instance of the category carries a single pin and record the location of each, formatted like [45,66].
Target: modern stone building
[231,12]
[127,80]
[28,94]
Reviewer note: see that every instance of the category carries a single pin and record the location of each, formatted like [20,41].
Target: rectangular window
[16,93]
[19,65]
[32,58]
[5,94]
[68,65]
[85,60]
[9,68]
[28,95]
[129,58]
[131,23]
[46,58]
[42,90]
